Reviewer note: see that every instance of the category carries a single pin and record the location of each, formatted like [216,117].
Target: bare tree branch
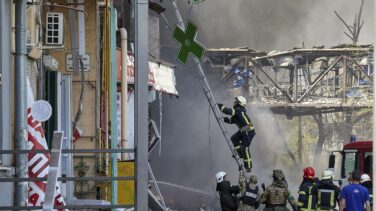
[360,27]
[356,27]
[343,21]
[360,14]
[348,35]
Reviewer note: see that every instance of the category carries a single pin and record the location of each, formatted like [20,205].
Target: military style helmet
[278,175]
[220,176]
[241,100]
[253,180]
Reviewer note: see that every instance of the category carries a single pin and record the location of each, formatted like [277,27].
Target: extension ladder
[210,97]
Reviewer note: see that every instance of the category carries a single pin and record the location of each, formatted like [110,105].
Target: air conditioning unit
[55,29]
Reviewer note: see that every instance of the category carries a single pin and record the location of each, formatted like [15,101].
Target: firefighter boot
[248,165]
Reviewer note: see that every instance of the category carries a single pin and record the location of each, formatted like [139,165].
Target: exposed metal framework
[303,81]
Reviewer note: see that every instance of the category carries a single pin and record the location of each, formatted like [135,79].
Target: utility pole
[141,8]
[6,142]
[20,101]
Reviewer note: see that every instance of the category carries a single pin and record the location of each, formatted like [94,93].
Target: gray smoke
[276,25]
[193,147]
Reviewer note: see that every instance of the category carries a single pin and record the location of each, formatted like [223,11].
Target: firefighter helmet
[327,174]
[309,173]
[365,178]
[241,100]
[220,176]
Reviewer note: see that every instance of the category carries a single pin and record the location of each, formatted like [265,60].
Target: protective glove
[263,186]
[226,119]
[219,105]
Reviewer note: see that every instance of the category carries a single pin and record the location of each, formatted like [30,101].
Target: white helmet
[365,178]
[327,174]
[220,176]
[242,101]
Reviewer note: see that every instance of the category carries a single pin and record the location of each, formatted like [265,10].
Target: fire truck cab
[355,156]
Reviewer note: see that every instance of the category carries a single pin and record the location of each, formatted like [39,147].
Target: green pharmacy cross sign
[188,43]
[196,1]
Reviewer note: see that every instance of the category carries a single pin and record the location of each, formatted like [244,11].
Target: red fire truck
[355,156]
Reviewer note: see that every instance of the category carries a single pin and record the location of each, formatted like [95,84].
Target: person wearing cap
[354,197]
[276,195]
[326,192]
[366,182]
[242,139]
[227,193]
[307,201]
[250,193]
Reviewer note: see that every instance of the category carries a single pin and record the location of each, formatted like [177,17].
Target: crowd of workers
[314,194]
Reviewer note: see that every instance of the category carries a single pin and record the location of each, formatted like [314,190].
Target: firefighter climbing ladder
[209,95]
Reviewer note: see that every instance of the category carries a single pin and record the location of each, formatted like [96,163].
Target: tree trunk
[321,138]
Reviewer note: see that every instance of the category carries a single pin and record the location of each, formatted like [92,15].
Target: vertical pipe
[124,89]
[106,38]
[113,103]
[98,88]
[141,102]
[73,38]
[295,82]
[6,108]
[20,101]
[5,84]
[344,82]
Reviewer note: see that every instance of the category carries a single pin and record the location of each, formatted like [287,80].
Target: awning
[161,77]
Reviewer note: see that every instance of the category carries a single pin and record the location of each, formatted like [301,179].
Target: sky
[275,24]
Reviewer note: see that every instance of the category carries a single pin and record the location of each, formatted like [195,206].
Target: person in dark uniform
[227,193]
[366,182]
[307,201]
[242,139]
[326,192]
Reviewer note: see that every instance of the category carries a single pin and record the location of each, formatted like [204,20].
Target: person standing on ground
[250,193]
[277,194]
[242,139]
[306,200]
[326,192]
[366,182]
[354,197]
[227,193]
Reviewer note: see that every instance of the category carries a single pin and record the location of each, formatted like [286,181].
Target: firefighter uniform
[277,194]
[227,193]
[327,194]
[243,137]
[306,201]
[227,196]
